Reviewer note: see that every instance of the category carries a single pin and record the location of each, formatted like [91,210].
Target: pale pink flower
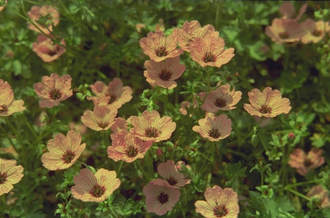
[94,188]
[46,50]
[305,163]
[164,73]
[321,195]
[36,12]
[101,118]
[314,31]
[210,51]
[117,93]
[160,199]
[127,147]
[190,31]
[187,104]
[158,47]
[267,103]
[8,105]
[150,127]
[288,11]
[171,176]
[214,128]
[9,174]
[53,90]
[220,99]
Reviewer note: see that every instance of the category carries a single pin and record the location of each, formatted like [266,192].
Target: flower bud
[254,140]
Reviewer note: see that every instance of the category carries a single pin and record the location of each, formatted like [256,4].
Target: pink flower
[219,203]
[10,174]
[305,163]
[171,176]
[127,147]
[120,125]
[160,199]
[8,105]
[321,195]
[314,31]
[220,99]
[214,128]
[158,47]
[101,118]
[267,103]
[36,12]
[288,11]
[53,90]
[46,50]
[164,73]
[187,104]
[94,188]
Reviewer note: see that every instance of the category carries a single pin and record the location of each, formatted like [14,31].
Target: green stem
[205,156]
[298,194]
[32,130]
[9,139]
[302,183]
[120,166]
[142,170]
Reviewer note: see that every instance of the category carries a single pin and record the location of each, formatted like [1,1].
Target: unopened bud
[254,140]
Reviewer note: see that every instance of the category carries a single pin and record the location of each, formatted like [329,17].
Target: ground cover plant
[122,108]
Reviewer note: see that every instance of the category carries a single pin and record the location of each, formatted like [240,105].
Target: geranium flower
[150,127]
[53,90]
[94,188]
[158,47]
[8,105]
[269,103]
[127,147]
[285,31]
[117,93]
[101,118]
[171,176]
[160,199]
[314,31]
[120,125]
[163,74]
[214,128]
[9,174]
[46,50]
[210,51]
[53,18]
[305,163]
[63,151]
[187,104]
[321,195]
[288,11]
[220,99]
[219,203]
[190,31]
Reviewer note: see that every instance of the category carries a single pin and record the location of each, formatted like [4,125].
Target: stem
[298,194]
[32,130]
[205,156]
[262,177]
[120,166]
[302,183]
[141,169]
[11,142]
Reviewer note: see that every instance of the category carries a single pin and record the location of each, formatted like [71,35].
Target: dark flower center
[54,51]
[172,181]
[161,52]
[214,133]
[102,124]
[308,162]
[284,35]
[265,109]
[163,198]
[3,108]
[97,191]
[165,75]
[131,151]
[317,33]
[152,132]
[220,211]
[55,94]
[209,57]
[3,178]
[68,157]
[220,102]
[113,98]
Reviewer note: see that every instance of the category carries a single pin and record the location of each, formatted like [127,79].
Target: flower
[4,4]
[9,174]
[118,93]
[101,118]
[63,151]
[321,195]
[314,31]
[8,105]
[190,31]
[220,99]
[94,188]
[288,11]
[171,176]
[158,47]
[285,31]
[219,203]
[304,163]
[210,51]
[186,105]
[120,125]
[150,127]
[267,104]
[164,74]
[53,90]
[127,147]
[53,18]
[46,50]
[214,128]
[160,199]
